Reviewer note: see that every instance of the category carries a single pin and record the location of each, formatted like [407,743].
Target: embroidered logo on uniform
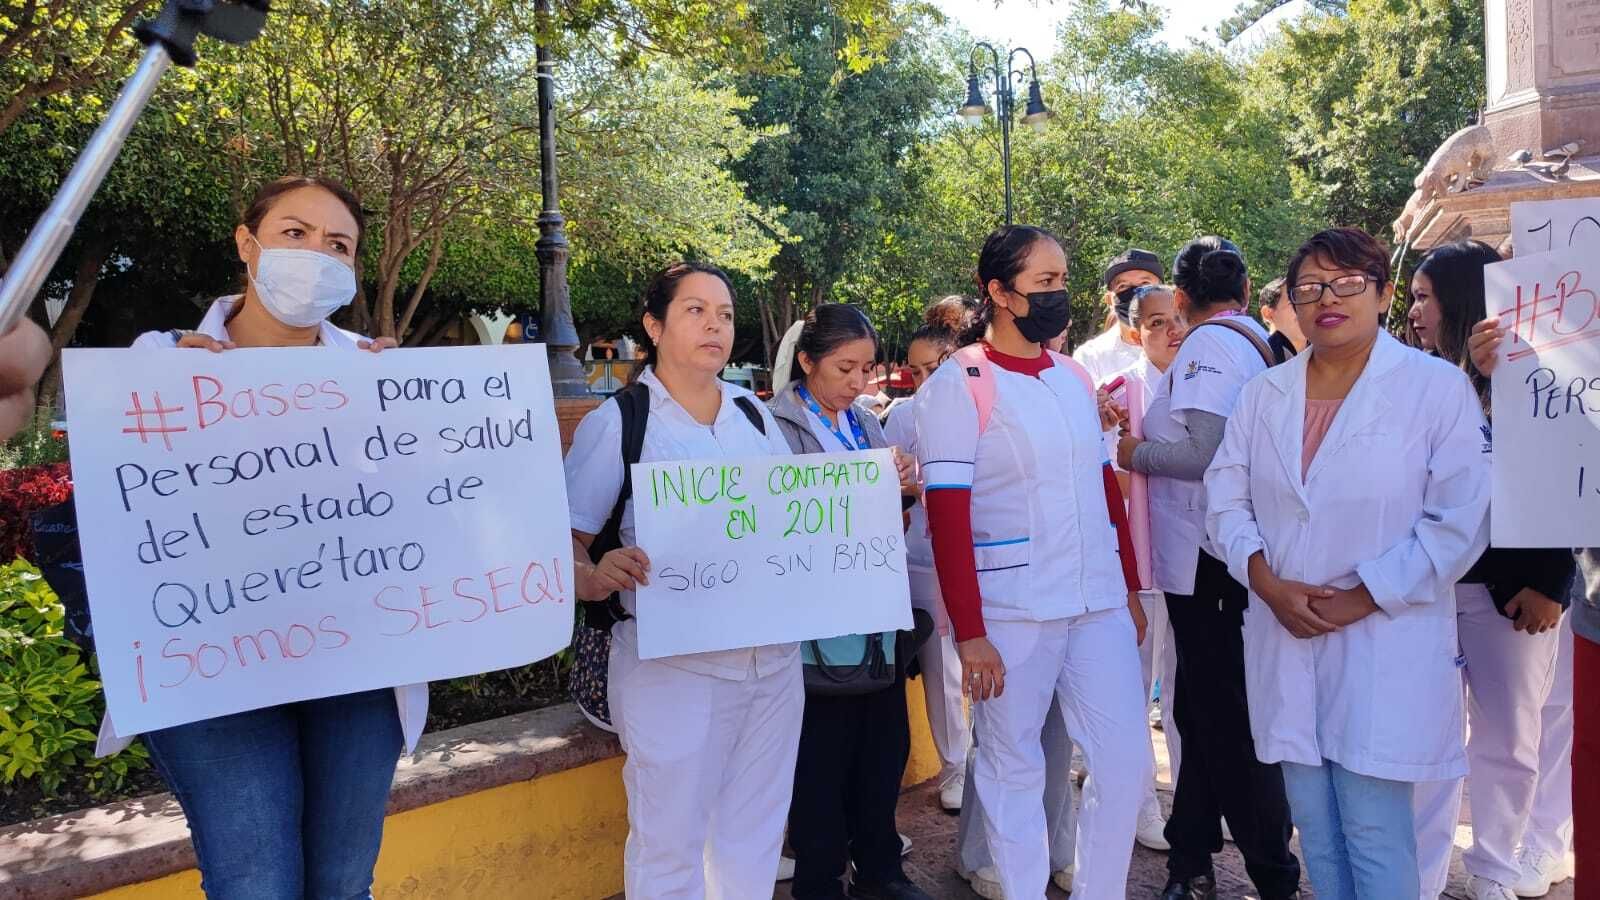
[972,371]
[1195,368]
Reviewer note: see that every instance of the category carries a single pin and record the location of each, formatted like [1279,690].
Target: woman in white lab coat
[710,738]
[1021,506]
[1351,492]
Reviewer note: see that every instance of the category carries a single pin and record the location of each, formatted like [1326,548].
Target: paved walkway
[933,834]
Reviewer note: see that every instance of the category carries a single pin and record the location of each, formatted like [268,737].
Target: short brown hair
[267,197]
[1347,248]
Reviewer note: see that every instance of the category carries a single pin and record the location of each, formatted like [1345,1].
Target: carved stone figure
[1465,158]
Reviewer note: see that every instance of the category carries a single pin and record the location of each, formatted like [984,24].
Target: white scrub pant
[1060,812]
[1091,663]
[709,775]
[1158,657]
[947,716]
[1508,675]
[1550,825]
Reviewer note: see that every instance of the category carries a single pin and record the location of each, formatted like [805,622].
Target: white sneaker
[905,845]
[1479,888]
[985,883]
[1063,878]
[785,869]
[1152,831]
[1540,870]
[950,792]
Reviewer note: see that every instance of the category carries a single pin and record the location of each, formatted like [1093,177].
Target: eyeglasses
[1344,286]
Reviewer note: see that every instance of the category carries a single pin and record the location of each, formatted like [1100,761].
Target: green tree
[54,48]
[1366,98]
[831,152]
[1149,146]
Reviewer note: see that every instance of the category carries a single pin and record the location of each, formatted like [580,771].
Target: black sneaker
[1201,887]
[898,889]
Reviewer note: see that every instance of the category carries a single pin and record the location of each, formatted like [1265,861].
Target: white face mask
[301,287]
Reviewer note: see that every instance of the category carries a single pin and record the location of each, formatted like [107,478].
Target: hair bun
[952,313]
[1221,265]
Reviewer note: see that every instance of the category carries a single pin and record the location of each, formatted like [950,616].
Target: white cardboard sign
[1546,400]
[265,526]
[761,550]
[1545,226]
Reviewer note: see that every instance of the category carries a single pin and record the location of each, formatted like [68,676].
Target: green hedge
[50,702]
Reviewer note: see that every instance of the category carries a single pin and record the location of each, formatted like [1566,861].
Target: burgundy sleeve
[1119,518]
[950,525]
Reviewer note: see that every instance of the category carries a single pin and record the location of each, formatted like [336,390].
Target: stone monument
[1540,134]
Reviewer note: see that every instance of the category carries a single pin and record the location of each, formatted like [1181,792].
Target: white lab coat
[1396,498]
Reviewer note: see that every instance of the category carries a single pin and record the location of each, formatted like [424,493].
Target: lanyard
[855,427]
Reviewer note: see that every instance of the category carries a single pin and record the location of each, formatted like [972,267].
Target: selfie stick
[168,38]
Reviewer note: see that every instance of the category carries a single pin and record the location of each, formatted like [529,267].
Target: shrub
[50,702]
[23,491]
[35,445]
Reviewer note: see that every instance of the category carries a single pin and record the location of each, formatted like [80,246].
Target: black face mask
[1048,315]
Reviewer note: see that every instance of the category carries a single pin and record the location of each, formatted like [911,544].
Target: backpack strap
[1075,367]
[1239,328]
[980,378]
[980,381]
[748,407]
[633,403]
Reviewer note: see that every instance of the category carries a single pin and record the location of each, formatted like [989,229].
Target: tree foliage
[1367,97]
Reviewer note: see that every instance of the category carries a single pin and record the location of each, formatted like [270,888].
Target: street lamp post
[1034,115]
[555,304]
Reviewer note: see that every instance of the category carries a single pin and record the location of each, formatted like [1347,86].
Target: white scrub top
[1106,354]
[411,701]
[1043,537]
[1211,367]
[594,481]
[1397,499]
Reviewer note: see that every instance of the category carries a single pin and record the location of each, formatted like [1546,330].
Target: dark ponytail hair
[1003,257]
[1456,271]
[1211,271]
[950,323]
[827,328]
[662,290]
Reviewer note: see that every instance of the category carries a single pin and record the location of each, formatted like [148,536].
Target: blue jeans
[286,802]
[1356,832]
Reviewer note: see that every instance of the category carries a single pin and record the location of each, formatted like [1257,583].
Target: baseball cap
[1134,259]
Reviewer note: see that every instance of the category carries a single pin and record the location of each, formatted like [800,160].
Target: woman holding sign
[710,737]
[1350,635]
[288,801]
[854,741]
[1021,503]
[1509,610]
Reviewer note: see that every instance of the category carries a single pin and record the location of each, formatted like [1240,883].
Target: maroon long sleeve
[1119,518]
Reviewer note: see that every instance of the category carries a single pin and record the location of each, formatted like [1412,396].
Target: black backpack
[591,636]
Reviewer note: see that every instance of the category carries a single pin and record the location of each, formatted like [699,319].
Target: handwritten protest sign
[761,550]
[1546,400]
[1544,226]
[264,526]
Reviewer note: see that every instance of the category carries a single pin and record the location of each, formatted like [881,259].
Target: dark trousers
[846,783]
[1220,775]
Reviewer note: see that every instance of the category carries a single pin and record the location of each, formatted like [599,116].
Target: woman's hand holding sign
[623,569]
